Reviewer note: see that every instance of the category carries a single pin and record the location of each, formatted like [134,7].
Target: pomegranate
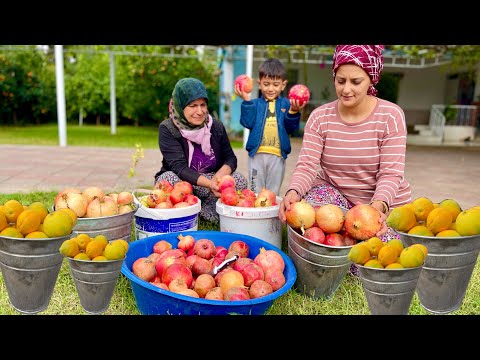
[244,82]
[190,199]
[181,204]
[101,207]
[214,294]
[275,278]
[186,242]
[71,200]
[241,247]
[259,288]
[164,205]
[315,234]
[262,201]
[188,292]
[169,257]
[144,268]
[154,257]
[329,218]
[246,203]
[164,185]
[126,208]
[300,215]
[231,279]
[299,92]
[362,222]
[225,181]
[241,263]
[184,186]
[334,239]
[124,197]
[229,196]
[248,194]
[252,272]
[236,293]
[269,194]
[159,284]
[269,259]
[176,196]
[158,196]
[93,192]
[201,266]
[114,196]
[204,248]
[175,271]
[203,284]
[161,246]
[190,260]
[177,285]
[219,276]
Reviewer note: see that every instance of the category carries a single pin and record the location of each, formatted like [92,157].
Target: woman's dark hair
[272,68]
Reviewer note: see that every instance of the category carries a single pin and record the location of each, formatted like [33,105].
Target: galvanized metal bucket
[447,271]
[112,227]
[389,291]
[30,270]
[320,268]
[95,282]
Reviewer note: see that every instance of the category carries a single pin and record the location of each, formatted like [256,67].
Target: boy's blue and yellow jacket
[253,117]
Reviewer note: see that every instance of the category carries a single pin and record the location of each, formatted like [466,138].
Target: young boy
[270,119]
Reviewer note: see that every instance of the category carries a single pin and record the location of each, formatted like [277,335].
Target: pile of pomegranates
[93,202]
[168,196]
[329,224]
[244,198]
[199,268]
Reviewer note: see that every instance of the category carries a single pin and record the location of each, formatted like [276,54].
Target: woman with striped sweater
[353,148]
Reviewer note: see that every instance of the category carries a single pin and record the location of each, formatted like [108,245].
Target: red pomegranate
[176,271]
[362,222]
[269,259]
[245,82]
[205,248]
[299,92]
[241,247]
[315,234]
[259,288]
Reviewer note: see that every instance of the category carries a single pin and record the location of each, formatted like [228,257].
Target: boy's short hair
[272,68]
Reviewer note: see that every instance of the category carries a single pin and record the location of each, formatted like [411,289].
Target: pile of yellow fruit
[391,255]
[83,247]
[444,219]
[34,221]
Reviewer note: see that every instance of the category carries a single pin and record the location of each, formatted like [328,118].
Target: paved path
[434,172]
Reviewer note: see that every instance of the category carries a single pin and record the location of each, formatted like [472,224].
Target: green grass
[349,298]
[86,135]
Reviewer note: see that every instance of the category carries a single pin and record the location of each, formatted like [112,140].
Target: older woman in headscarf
[353,148]
[195,147]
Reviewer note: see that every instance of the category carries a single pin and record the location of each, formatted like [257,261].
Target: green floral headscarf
[186,90]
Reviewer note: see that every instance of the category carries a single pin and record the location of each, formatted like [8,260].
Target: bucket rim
[239,212]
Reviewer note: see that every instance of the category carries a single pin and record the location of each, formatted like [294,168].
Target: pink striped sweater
[365,161]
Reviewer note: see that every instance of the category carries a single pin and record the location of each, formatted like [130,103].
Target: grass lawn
[349,299]
[86,135]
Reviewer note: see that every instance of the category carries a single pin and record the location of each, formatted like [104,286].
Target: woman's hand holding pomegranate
[378,205]
[290,197]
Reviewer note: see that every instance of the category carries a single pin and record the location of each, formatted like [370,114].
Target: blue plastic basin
[151,300]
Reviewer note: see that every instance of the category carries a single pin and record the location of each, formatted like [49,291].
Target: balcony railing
[458,115]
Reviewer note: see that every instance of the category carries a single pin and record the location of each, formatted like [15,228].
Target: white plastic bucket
[260,222]
[150,221]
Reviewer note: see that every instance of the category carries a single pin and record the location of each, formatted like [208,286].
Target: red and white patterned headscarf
[368,57]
